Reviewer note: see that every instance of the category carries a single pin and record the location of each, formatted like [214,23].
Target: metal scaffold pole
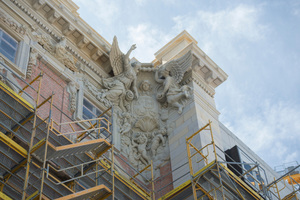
[112,172]
[152,181]
[32,138]
[46,146]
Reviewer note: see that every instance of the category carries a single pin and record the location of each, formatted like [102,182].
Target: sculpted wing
[116,58]
[178,67]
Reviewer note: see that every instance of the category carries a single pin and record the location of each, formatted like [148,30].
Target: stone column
[197,113]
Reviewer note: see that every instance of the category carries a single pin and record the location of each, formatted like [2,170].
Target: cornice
[201,83]
[54,34]
[205,60]
[11,24]
[184,35]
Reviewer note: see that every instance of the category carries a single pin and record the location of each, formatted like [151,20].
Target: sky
[256,42]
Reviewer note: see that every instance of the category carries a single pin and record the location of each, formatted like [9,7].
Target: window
[8,46]
[249,177]
[90,111]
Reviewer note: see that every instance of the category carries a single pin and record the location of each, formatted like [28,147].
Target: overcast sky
[256,42]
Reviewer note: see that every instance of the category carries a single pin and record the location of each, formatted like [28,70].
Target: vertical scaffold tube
[46,147]
[31,140]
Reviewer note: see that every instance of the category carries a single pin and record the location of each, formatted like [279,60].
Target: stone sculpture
[171,75]
[157,138]
[141,113]
[121,88]
[126,126]
[140,141]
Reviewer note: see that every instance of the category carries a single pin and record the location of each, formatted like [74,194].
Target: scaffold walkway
[38,160]
[223,178]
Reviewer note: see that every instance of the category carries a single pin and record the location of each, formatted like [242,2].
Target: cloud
[267,125]
[147,38]
[216,30]
[295,8]
[104,11]
[241,21]
[224,29]
[271,129]
[140,2]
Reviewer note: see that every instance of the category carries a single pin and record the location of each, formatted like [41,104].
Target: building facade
[79,119]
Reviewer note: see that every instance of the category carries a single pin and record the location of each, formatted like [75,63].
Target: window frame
[22,54]
[2,39]
[80,114]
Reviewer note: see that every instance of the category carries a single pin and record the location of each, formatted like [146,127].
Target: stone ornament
[45,41]
[158,137]
[64,56]
[12,24]
[145,87]
[171,75]
[141,113]
[58,50]
[121,89]
[72,89]
[32,62]
[126,125]
[140,141]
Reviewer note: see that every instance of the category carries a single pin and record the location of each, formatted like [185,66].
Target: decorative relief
[120,89]
[171,75]
[12,24]
[45,41]
[32,62]
[142,101]
[72,89]
[57,49]
[96,93]
[52,33]
[145,87]
[64,56]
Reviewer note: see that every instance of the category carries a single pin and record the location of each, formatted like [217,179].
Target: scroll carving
[32,62]
[72,89]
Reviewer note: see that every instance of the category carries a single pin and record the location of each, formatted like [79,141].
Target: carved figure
[140,142]
[145,87]
[126,145]
[171,75]
[126,126]
[134,157]
[121,87]
[157,138]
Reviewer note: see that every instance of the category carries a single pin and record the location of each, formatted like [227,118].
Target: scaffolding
[289,175]
[44,159]
[219,176]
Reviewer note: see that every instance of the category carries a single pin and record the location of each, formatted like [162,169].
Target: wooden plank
[100,191]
